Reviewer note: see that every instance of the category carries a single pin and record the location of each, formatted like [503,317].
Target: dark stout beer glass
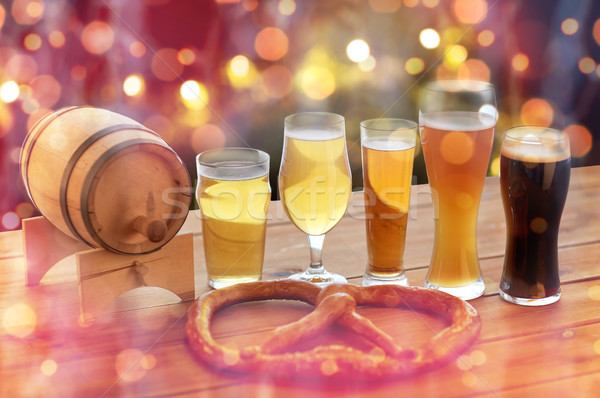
[535,167]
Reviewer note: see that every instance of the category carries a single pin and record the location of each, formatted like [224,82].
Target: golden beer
[387,173]
[314,181]
[457,147]
[233,227]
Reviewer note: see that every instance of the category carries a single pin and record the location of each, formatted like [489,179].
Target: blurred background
[213,73]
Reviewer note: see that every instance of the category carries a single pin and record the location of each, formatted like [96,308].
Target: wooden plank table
[137,345]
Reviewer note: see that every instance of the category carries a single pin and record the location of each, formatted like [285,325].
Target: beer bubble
[457,147]
[538,225]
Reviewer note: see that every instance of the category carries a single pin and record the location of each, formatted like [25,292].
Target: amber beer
[534,180]
[388,148]
[233,196]
[457,148]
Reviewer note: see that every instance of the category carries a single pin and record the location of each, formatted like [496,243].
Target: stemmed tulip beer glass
[457,119]
[315,182]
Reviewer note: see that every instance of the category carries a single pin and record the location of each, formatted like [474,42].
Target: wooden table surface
[137,346]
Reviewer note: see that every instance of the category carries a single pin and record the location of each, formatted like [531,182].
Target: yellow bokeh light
[133,85]
[368,64]
[148,362]
[569,26]
[32,42]
[271,44]
[19,320]
[594,292]
[185,56]
[97,37]
[597,346]
[486,38]
[56,39]
[9,91]
[127,365]
[357,50]
[35,9]
[470,11]
[411,3]
[429,38]
[239,66]
[48,367]
[27,12]
[537,112]
[414,66]
[286,7]
[194,94]
[495,167]
[520,62]
[456,55]
[587,65]
[316,82]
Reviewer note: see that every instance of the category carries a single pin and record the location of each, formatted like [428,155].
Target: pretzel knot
[334,304]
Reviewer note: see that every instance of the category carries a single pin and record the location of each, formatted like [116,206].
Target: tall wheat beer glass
[388,151]
[315,182]
[234,194]
[535,168]
[457,119]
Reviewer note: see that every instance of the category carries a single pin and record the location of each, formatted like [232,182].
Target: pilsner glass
[315,182]
[535,168]
[388,150]
[234,194]
[457,119]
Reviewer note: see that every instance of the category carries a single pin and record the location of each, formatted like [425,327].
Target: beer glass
[388,150]
[315,182]
[233,194]
[457,119]
[535,167]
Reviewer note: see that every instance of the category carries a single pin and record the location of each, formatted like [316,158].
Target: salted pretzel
[334,304]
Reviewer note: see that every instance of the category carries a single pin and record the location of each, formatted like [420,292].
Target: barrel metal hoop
[64,184]
[87,185]
[42,123]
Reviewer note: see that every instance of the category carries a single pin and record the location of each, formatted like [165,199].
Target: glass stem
[316,249]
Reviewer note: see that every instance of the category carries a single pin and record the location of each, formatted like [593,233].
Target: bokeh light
[286,7]
[587,65]
[10,220]
[194,94]
[520,62]
[429,38]
[316,82]
[78,72]
[56,39]
[569,26]
[277,81]
[271,44]
[165,65]
[97,37]
[495,167]
[470,11]
[2,16]
[24,210]
[357,50]
[9,91]
[474,69]
[385,6]
[486,38]
[455,55]
[207,136]
[148,362]
[537,112]
[596,31]
[19,320]
[27,12]
[239,66]
[133,85]
[431,3]
[48,367]
[127,365]
[580,139]
[46,90]
[414,66]
[21,68]
[411,3]
[32,42]
[186,56]
[368,64]
[137,49]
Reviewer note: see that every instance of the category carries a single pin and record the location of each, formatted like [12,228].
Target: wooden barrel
[105,179]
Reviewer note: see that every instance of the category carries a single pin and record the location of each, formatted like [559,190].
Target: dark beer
[534,182]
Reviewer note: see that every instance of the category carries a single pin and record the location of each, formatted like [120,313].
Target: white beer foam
[458,121]
[385,144]
[535,152]
[314,135]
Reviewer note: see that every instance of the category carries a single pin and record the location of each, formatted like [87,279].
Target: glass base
[372,280]
[467,292]
[323,278]
[531,302]
[221,283]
